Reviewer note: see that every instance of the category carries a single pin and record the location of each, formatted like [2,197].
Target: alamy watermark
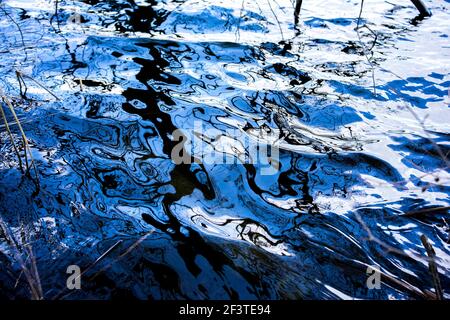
[259,147]
[373,277]
[74,280]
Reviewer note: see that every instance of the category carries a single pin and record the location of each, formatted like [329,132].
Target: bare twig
[18,27]
[365,50]
[238,28]
[23,91]
[21,74]
[384,245]
[276,18]
[425,130]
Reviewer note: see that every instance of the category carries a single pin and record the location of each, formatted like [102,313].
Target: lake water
[360,118]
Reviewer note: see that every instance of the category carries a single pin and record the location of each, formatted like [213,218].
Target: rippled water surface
[361,117]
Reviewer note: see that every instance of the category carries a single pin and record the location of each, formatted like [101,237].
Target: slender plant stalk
[432,266]
[31,275]
[16,150]
[23,75]
[27,149]
[298,7]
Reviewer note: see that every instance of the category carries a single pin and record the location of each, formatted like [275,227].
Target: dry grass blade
[128,251]
[114,246]
[102,257]
[430,259]
[31,274]
[16,150]
[432,266]
[59,296]
[426,211]
[27,149]
[390,280]
[387,247]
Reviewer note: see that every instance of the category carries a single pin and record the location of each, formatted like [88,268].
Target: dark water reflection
[225,231]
